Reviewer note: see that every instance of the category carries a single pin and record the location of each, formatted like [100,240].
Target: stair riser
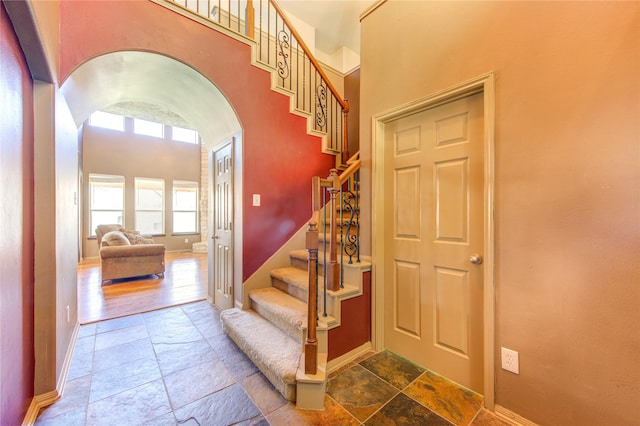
[304,264]
[297,292]
[296,333]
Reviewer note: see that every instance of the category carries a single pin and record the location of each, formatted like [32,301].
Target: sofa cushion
[115,238]
[135,239]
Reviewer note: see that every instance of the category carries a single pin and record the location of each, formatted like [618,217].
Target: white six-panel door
[222,227]
[433,239]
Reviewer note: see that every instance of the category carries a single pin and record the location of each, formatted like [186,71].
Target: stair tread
[285,311]
[292,275]
[272,350]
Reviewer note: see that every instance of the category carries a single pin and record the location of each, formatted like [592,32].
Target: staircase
[273,331]
[285,328]
[279,49]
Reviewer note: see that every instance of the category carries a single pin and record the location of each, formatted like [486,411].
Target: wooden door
[434,238]
[221,247]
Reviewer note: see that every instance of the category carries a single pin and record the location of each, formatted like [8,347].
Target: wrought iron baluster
[321,115]
[283,56]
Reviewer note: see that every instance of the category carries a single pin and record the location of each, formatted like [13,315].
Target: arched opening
[156,88]
[143,79]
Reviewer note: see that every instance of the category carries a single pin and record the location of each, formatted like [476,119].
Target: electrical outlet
[510,361]
[186,240]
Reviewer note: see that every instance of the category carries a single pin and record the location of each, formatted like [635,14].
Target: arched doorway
[158,88]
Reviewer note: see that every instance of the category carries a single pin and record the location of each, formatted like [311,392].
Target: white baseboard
[511,417]
[345,359]
[44,400]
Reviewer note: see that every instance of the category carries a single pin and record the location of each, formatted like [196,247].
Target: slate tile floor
[176,366]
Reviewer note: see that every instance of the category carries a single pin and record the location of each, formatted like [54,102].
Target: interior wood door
[221,247]
[433,239]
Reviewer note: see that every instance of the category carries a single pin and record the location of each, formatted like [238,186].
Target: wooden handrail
[314,61]
[353,158]
[349,171]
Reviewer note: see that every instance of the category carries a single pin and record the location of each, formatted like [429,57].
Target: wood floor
[185,280]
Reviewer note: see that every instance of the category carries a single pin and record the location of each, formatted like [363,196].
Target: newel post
[312,238]
[311,343]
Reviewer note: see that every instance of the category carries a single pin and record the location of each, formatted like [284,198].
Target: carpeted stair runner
[291,280]
[274,352]
[287,313]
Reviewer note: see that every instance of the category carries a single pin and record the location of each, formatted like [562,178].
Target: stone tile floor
[176,366]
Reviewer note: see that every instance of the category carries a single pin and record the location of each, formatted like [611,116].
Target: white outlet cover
[256,200]
[510,360]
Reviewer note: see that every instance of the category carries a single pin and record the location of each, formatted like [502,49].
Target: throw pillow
[138,239]
[115,238]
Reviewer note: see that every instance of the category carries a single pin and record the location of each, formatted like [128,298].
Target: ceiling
[337,22]
[153,87]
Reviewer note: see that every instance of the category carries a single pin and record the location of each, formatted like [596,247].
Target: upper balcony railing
[296,71]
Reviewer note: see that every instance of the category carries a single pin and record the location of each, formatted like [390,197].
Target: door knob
[476,259]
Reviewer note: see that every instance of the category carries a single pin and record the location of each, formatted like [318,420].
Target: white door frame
[485,84]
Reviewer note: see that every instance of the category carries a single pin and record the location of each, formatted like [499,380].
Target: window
[149,206]
[184,135]
[148,128]
[107,120]
[106,201]
[185,207]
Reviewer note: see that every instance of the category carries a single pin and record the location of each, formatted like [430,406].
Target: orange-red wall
[16,228]
[355,329]
[279,157]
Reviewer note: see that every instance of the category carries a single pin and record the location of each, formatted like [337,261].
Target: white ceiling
[150,86]
[337,22]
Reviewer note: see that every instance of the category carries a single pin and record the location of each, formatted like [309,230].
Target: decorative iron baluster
[350,227]
[315,94]
[283,56]
[321,116]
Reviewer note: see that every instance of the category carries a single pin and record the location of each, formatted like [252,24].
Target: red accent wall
[17,363]
[355,329]
[279,156]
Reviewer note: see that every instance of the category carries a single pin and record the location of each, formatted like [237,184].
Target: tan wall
[129,155]
[567,182]
[336,78]
[352,95]
[55,233]
[66,228]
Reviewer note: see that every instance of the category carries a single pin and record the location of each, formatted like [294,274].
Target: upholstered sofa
[125,254]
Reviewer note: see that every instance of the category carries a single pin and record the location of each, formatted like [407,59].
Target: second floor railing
[281,48]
